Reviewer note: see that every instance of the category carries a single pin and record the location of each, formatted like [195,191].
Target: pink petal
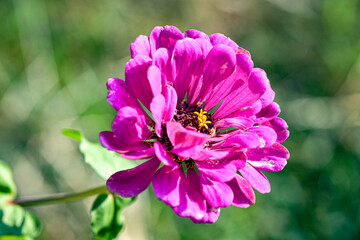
[131,182]
[248,112]
[187,59]
[267,97]
[157,109]
[164,156]
[166,185]
[118,95]
[170,103]
[240,123]
[244,195]
[114,143]
[195,85]
[221,172]
[219,38]
[140,154]
[236,158]
[155,39]
[217,194]
[154,77]
[243,140]
[193,33]
[164,38]
[256,178]
[186,143]
[136,75]
[161,59]
[205,46]
[219,64]
[280,127]
[224,156]
[208,155]
[169,36]
[271,158]
[268,113]
[242,51]
[240,163]
[244,66]
[219,92]
[141,46]
[245,95]
[194,179]
[130,125]
[266,134]
[211,215]
[192,203]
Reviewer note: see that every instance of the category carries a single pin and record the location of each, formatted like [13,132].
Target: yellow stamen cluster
[202,118]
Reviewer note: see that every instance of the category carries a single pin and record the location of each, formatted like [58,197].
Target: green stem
[60,197]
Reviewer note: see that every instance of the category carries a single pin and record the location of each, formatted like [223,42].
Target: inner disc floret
[202,119]
[194,116]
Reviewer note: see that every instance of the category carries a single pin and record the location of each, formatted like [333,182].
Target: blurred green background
[55,58]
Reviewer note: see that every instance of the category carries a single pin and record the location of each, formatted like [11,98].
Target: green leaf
[106,218]
[72,133]
[16,221]
[7,185]
[13,238]
[103,161]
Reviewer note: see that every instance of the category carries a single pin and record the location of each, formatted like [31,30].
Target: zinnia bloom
[212,126]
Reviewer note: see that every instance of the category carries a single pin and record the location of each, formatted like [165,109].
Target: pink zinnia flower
[214,124]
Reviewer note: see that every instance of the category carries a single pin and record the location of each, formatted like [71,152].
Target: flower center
[202,119]
[194,117]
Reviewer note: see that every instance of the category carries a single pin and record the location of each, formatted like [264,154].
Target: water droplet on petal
[262,142]
[272,163]
[214,209]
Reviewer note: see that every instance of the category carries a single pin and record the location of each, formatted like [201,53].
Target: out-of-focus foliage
[106,215]
[55,57]
[7,185]
[15,222]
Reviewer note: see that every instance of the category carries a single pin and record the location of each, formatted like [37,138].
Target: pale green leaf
[103,161]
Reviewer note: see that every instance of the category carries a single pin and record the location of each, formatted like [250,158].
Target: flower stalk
[60,197]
